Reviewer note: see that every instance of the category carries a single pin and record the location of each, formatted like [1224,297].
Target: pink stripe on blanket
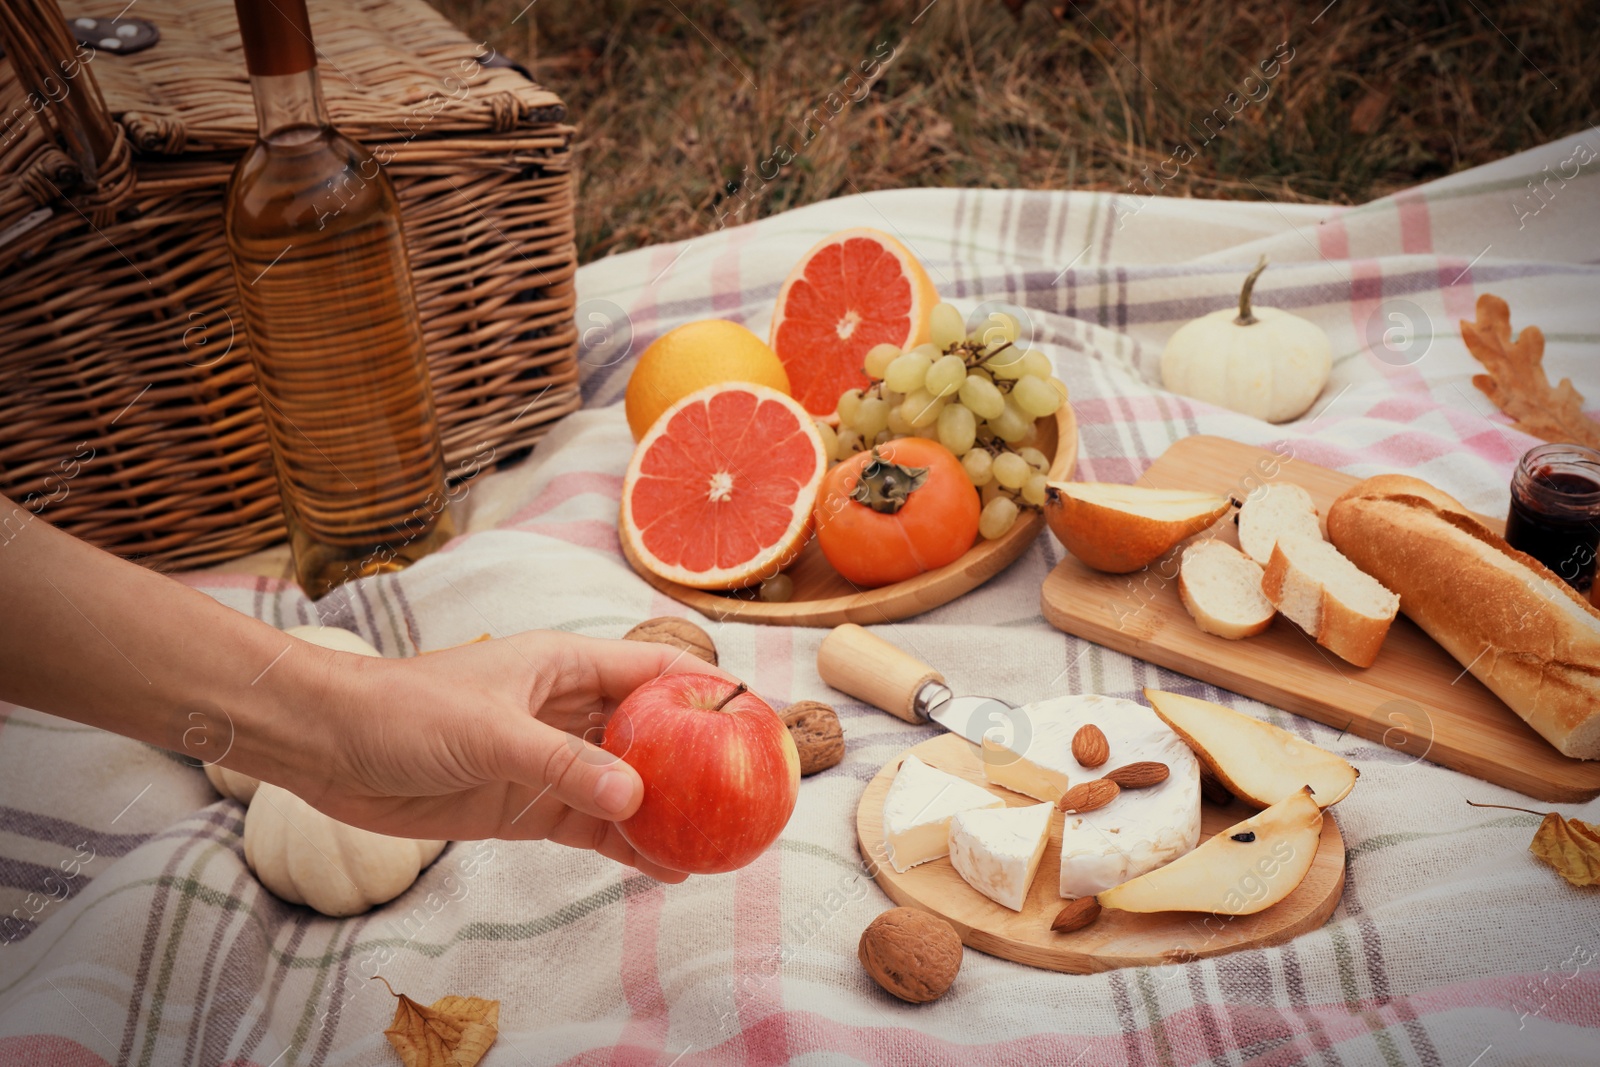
[563,487]
[645,1035]
[1416,227]
[758,895]
[585,533]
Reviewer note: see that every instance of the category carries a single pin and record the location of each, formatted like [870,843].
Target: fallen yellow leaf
[452,1032]
[1571,846]
[1516,381]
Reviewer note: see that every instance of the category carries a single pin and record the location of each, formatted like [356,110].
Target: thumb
[554,763]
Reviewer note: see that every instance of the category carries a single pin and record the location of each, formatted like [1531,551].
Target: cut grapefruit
[720,489]
[855,289]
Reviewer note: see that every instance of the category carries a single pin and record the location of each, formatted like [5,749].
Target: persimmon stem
[1508,807]
[740,688]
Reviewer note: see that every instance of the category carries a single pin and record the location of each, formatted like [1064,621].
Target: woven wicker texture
[128,411]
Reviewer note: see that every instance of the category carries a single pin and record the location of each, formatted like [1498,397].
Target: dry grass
[686,106]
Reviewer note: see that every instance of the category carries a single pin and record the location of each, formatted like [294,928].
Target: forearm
[102,641]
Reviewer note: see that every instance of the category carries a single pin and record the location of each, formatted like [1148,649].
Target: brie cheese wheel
[917,811]
[1140,830]
[997,850]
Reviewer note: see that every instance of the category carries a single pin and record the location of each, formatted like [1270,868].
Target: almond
[1139,775]
[1088,796]
[1076,915]
[1089,746]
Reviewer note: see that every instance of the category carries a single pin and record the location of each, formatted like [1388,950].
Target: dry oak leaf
[1571,846]
[1516,381]
[452,1032]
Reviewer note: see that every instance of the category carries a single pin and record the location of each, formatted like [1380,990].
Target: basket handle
[49,65]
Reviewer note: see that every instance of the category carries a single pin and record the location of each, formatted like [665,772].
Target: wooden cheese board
[822,597]
[1116,939]
[1415,699]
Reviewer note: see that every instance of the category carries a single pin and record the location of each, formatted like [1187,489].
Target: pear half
[1121,528]
[1246,868]
[1257,761]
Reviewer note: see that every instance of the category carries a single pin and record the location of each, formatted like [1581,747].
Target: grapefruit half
[720,489]
[853,290]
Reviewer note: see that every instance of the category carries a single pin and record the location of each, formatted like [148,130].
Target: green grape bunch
[977,394]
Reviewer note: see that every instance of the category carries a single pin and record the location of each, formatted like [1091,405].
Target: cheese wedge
[997,850]
[917,811]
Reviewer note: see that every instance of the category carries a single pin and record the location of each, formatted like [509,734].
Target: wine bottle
[319,260]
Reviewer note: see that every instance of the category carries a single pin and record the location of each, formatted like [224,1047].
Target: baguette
[1273,511]
[1328,597]
[1221,587]
[1502,614]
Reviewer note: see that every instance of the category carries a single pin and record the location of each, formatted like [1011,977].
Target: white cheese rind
[997,850]
[1143,828]
[917,811]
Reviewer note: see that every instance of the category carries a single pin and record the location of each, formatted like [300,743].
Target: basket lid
[392,71]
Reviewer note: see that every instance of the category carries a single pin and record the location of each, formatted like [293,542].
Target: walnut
[816,732]
[912,954]
[679,633]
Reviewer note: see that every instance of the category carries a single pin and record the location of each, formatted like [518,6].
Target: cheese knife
[865,666]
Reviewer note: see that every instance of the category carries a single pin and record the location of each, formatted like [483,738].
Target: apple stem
[740,688]
[1507,807]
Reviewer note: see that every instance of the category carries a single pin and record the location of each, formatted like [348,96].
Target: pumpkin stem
[885,487]
[1245,317]
[740,688]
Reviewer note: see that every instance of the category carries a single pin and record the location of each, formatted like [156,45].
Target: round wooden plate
[822,597]
[1117,938]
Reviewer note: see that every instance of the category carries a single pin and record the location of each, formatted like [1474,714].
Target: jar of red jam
[1555,510]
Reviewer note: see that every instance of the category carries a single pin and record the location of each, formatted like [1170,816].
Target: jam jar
[1555,510]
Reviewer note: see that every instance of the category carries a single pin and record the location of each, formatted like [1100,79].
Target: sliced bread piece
[1347,610]
[1221,587]
[1270,513]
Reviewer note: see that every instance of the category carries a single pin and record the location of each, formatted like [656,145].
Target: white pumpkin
[1262,361]
[242,787]
[306,857]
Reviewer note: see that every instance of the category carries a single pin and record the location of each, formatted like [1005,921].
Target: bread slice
[1276,510]
[1344,608]
[1516,626]
[1221,587]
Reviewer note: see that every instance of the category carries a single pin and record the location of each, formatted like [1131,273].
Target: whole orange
[691,357]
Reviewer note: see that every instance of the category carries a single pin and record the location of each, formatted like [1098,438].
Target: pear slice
[1229,876]
[1257,761]
[1121,528]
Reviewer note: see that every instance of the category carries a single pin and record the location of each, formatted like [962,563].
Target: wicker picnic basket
[128,410]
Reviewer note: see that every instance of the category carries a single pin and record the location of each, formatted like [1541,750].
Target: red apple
[721,773]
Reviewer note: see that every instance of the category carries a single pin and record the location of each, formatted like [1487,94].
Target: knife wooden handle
[869,668]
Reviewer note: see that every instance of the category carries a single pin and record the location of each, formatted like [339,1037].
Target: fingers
[563,768]
[620,667]
[580,831]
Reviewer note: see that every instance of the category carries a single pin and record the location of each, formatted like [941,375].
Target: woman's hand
[496,739]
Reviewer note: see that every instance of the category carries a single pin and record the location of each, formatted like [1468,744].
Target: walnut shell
[912,954]
[679,633]
[817,734]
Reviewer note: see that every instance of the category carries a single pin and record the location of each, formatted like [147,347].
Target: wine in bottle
[319,259]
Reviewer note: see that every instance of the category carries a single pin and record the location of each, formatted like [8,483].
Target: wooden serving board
[822,597]
[1117,938]
[1415,699]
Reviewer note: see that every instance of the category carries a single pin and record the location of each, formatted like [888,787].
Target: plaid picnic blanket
[135,933]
